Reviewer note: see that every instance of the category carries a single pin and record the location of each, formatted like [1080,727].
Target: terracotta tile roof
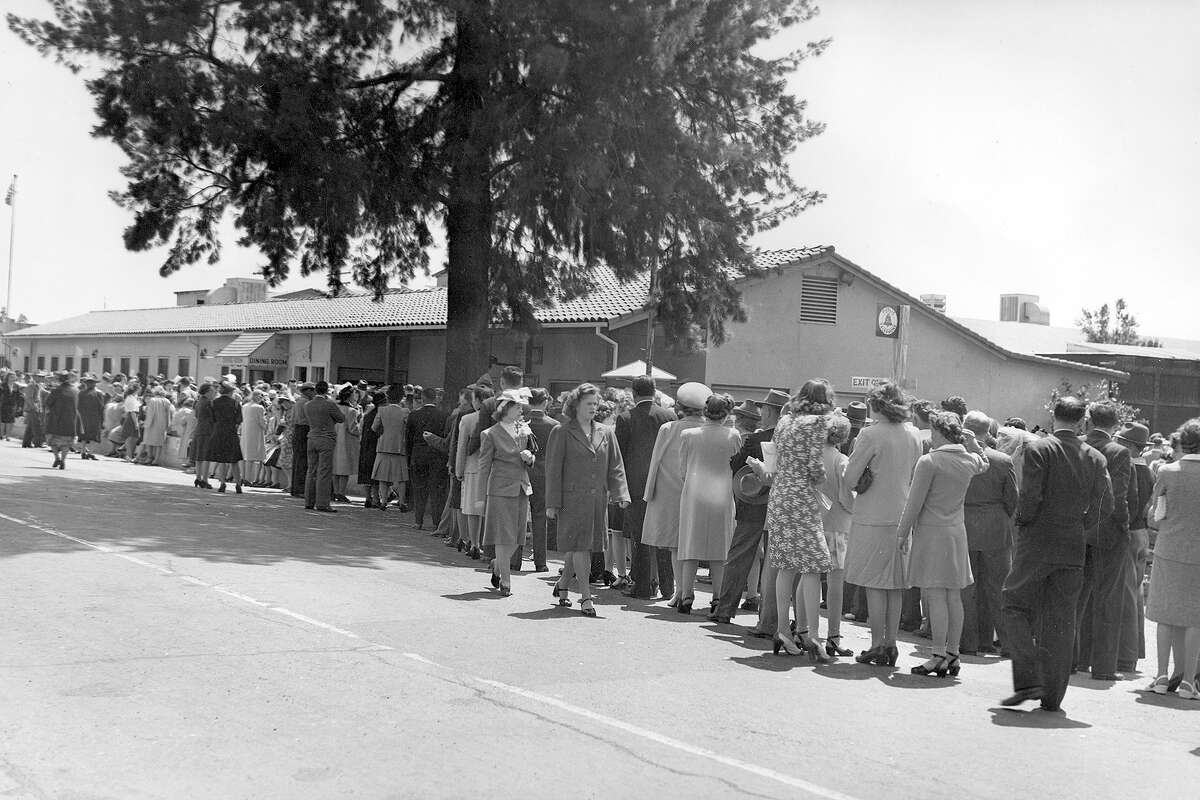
[399,308]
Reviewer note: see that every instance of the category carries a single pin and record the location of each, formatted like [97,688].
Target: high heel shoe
[786,644]
[237,487]
[870,655]
[460,545]
[221,488]
[952,665]
[495,577]
[934,666]
[587,607]
[673,602]
[685,605]
[1160,684]
[563,600]
[834,649]
[891,654]
[814,650]
[505,591]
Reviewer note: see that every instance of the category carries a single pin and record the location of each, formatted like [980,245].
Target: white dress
[254,432]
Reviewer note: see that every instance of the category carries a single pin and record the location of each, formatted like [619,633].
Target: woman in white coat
[664,481]
[254,438]
[706,503]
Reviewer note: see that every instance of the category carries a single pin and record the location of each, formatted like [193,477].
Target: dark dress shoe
[328,510]
[542,568]
[1022,696]
[720,620]
[1050,709]
[1107,676]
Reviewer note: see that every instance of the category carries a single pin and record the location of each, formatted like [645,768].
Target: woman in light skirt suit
[933,520]
[1174,602]
[504,457]
[706,500]
[584,471]
[889,450]
[346,449]
[467,471]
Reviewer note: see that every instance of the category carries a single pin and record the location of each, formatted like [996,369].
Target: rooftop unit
[1023,308]
[235,290]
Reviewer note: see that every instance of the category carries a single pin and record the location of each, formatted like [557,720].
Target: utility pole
[10,199]
[900,365]
[652,302]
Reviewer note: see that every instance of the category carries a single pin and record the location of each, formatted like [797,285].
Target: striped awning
[244,346]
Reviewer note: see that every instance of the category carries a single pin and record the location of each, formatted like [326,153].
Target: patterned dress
[794,514]
[285,440]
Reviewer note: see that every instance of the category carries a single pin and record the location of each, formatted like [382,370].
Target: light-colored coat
[159,412]
[664,484]
[582,475]
[706,499]
[390,423]
[254,432]
[891,450]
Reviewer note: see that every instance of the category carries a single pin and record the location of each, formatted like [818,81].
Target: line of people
[1039,540]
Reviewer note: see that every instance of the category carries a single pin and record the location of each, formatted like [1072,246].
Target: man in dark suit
[427,465]
[637,429]
[541,425]
[988,510]
[749,533]
[1101,603]
[1064,486]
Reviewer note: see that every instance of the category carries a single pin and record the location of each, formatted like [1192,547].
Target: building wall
[774,349]
[685,366]
[172,348]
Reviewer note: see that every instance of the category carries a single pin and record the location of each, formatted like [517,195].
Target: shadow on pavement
[155,510]
[1035,718]
[482,594]
[1169,700]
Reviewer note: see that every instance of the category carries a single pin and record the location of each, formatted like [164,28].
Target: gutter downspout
[616,347]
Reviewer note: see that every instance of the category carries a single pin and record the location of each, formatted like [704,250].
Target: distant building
[1164,382]
[235,290]
[935,301]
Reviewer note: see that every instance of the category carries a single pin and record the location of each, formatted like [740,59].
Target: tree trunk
[468,213]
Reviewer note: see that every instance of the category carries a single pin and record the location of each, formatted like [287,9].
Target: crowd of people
[983,537]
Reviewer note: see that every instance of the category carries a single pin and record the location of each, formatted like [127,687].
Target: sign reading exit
[858,384]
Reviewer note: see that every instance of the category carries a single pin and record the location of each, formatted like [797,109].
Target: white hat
[693,395]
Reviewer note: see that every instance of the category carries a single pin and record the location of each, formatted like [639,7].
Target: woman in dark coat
[584,470]
[366,450]
[10,403]
[225,446]
[202,434]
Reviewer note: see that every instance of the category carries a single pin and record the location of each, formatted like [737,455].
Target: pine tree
[548,137]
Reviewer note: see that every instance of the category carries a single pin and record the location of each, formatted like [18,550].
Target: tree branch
[405,77]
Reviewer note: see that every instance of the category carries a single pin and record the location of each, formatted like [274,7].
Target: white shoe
[1187,691]
[1160,684]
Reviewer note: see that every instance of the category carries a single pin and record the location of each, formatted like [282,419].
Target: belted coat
[582,475]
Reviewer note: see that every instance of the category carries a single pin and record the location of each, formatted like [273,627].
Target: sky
[972,149]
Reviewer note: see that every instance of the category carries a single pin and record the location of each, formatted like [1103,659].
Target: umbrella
[635,368]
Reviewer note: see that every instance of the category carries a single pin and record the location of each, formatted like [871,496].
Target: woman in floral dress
[795,526]
[287,418]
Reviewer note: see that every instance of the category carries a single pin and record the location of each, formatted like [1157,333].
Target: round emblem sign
[888,322]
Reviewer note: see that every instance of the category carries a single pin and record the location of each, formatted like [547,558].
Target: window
[818,300]
[85,364]
[318,374]
[25,365]
[106,365]
[143,368]
[54,363]
[234,371]
[69,362]
[41,362]
[301,374]
[164,367]
[185,367]
[125,366]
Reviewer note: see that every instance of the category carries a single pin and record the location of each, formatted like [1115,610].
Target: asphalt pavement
[161,641]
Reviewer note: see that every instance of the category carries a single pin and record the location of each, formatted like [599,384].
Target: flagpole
[12,240]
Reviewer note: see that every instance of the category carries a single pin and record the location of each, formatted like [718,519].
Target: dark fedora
[856,412]
[749,410]
[748,488]
[775,398]
[1134,434]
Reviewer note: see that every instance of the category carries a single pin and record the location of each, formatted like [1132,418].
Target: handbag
[864,481]
[272,457]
